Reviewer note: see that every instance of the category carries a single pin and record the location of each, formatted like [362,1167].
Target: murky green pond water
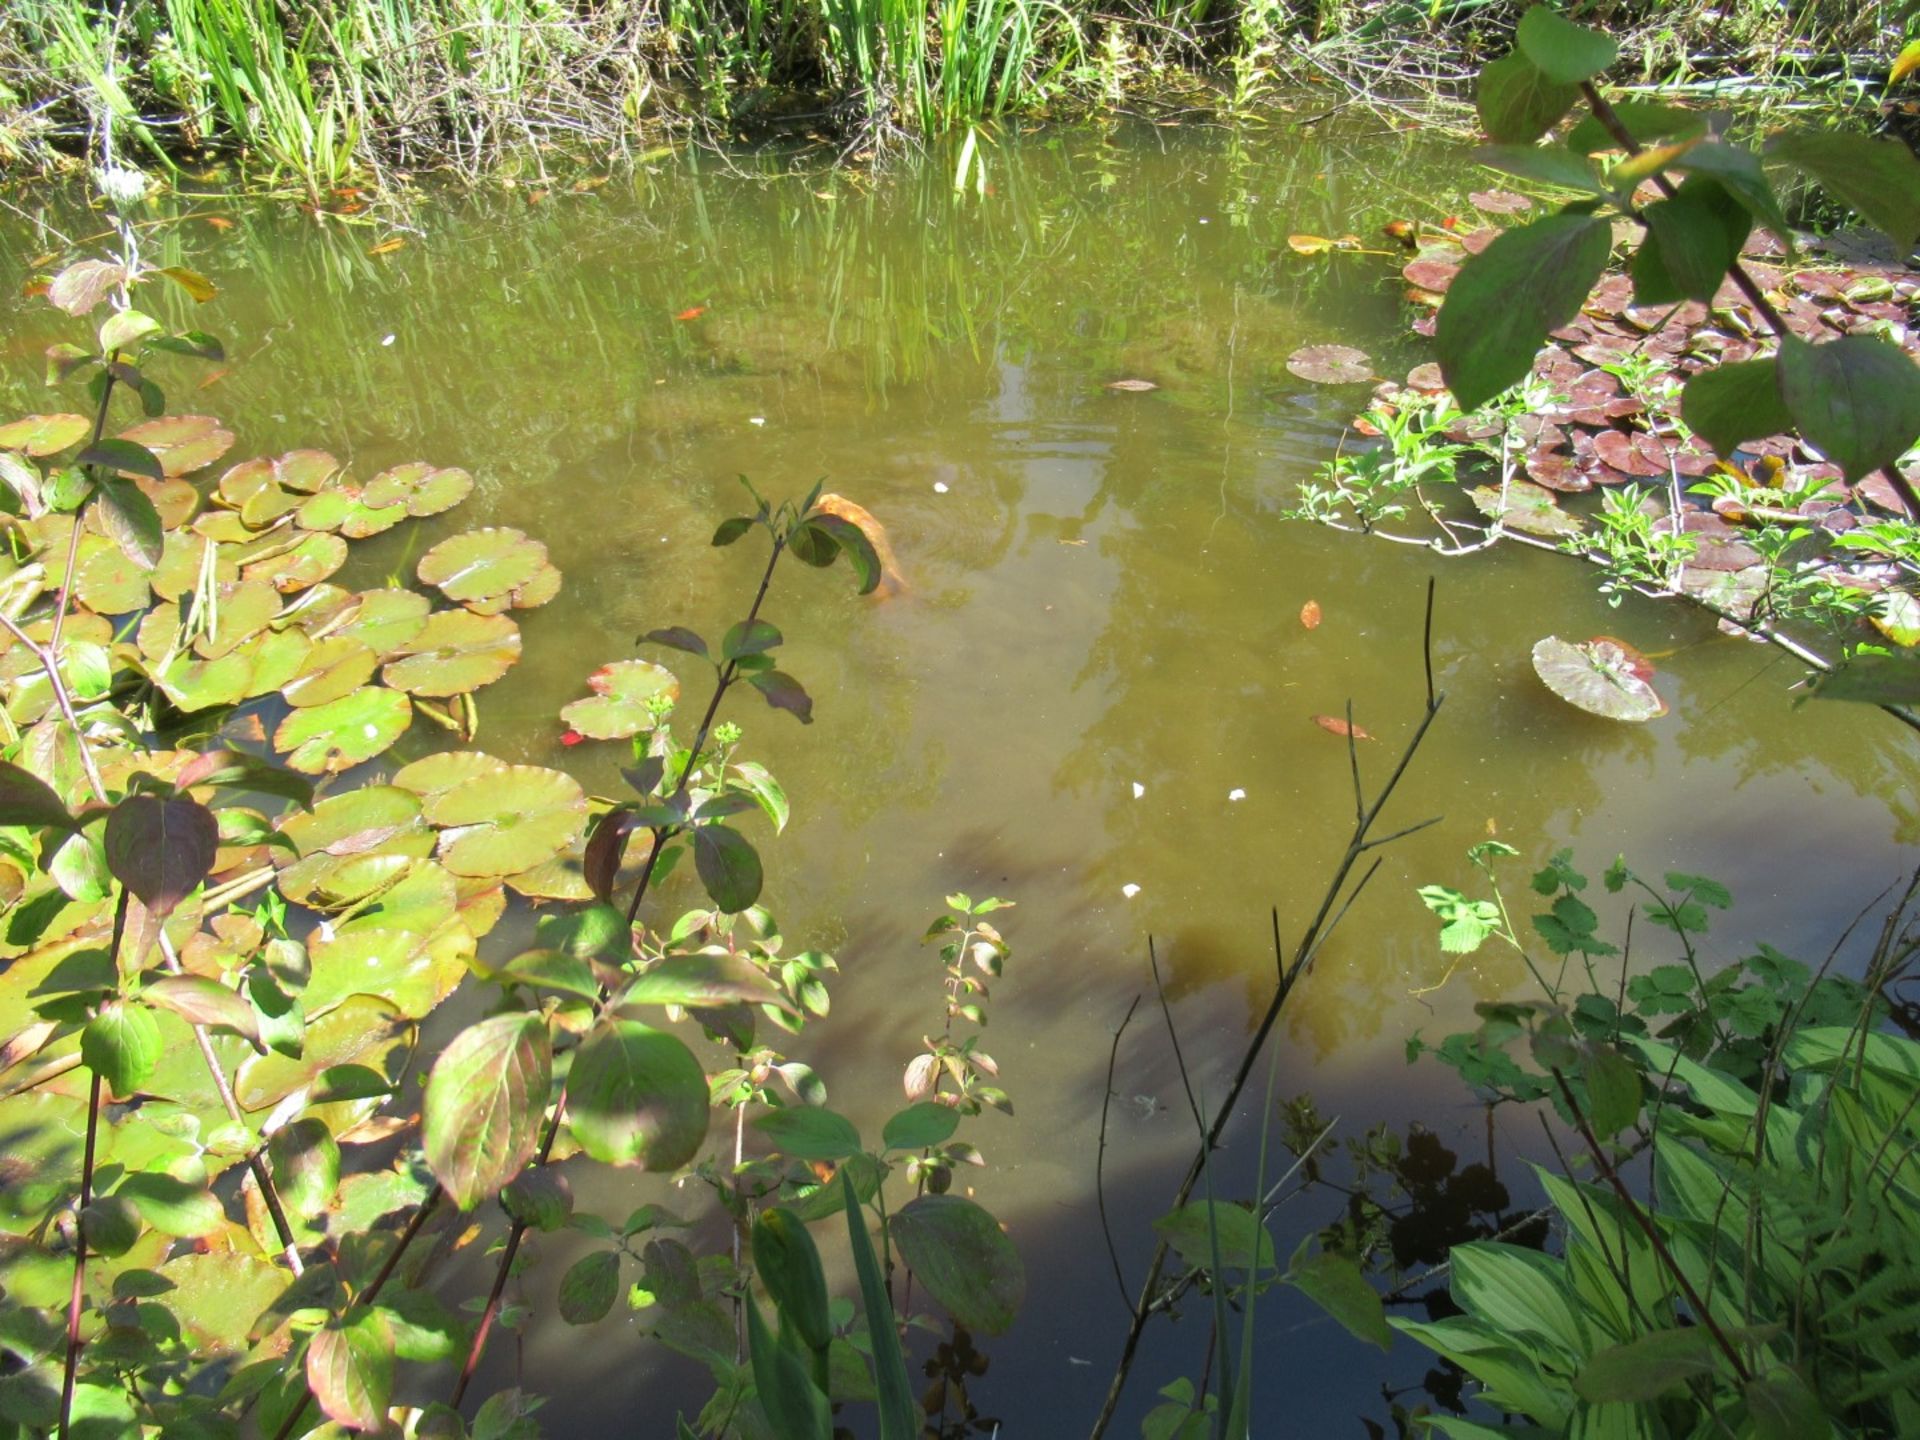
[1097,651]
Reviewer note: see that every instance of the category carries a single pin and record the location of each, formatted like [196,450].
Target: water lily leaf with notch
[384,620]
[342,829]
[344,508]
[105,582]
[454,652]
[39,435]
[482,564]
[182,443]
[437,774]
[253,489]
[507,821]
[618,706]
[1898,617]
[1526,507]
[333,667]
[562,877]
[413,968]
[423,488]
[1603,676]
[637,1097]
[965,1260]
[239,612]
[362,1030]
[297,566]
[342,733]
[544,586]
[1331,364]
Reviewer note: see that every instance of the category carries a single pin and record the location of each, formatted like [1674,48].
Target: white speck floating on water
[939,487]
[1129,891]
[1138,789]
[756,420]
[388,341]
[1236,794]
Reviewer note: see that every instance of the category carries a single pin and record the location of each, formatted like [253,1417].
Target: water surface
[1097,678]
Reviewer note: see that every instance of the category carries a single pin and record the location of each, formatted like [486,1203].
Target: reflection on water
[1097,650]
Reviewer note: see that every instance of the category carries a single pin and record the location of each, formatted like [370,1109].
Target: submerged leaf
[1334,725]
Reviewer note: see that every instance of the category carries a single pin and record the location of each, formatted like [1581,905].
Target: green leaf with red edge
[729,867]
[202,1001]
[1730,403]
[1857,398]
[1505,300]
[350,1369]
[84,284]
[783,692]
[26,799]
[637,1096]
[485,1100]
[128,516]
[161,849]
[1562,50]
[126,456]
[1879,178]
[855,545]
[1692,240]
[1518,102]
[704,980]
[122,1046]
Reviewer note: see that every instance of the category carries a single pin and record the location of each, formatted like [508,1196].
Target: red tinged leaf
[1334,725]
[572,737]
[1310,615]
[1450,223]
[161,849]
[692,312]
[1629,660]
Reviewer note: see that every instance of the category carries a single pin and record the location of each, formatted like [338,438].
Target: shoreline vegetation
[318,96]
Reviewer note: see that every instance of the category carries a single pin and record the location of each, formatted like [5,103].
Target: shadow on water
[1096,679]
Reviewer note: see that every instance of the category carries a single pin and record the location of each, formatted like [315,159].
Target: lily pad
[182,443]
[414,969]
[423,488]
[618,706]
[296,567]
[564,877]
[384,620]
[239,612]
[108,585]
[544,585]
[333,667]
[44,434]
[344,508]
[454,652]
[362,1030]
[1526,507]
[437,774]
[507,821]
[342,733]
[371,820]
[263,490]
[482,564]
[1331,364]
[1898,617]
[1603,676]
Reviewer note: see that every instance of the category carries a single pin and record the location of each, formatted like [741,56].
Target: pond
[1094,695]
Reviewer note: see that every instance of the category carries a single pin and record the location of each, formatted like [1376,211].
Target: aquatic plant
[200,1240]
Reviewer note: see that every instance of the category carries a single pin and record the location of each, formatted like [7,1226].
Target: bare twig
[1100,1155]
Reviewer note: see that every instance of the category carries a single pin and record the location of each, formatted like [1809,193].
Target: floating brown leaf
[1330,364]
[1310,614]
[1132,387]
[1335,725]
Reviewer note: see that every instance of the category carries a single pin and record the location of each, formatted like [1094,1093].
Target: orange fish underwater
[891,584]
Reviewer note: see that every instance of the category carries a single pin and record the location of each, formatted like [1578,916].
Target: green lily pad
[544,585]
[618,706]
[344,508]
[182,560]
[341,831]
[482,564]
[239,613]
[384,620]
[1897,617]
[1603,676]
[252,488]
[295,567]
[361,1030]
[416,894]
[437,774]
[1526,507]
[44,434]
[216,1297]
[107,584]
[203,684]
[454,652]
[223,527]
[424,489]
[307,471]
[275,658]
[563,877]
[342,733]
[507,821]
[333,667]
[182,443]
[174,501]
[414,969]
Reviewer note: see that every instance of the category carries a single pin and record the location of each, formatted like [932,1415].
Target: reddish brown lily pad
[1331,364]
